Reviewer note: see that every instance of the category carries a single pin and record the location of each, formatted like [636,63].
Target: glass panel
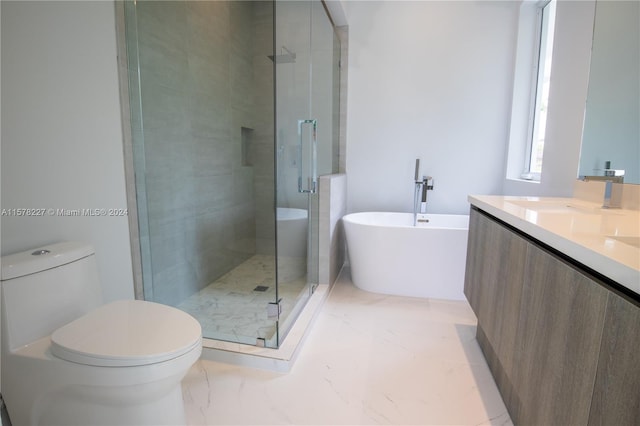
[293,63]
[307,80]
[202,101]
[324,85]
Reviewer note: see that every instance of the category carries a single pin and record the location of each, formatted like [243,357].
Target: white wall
[429,80]
[61,133]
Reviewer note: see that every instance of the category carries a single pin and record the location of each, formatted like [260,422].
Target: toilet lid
[127,333]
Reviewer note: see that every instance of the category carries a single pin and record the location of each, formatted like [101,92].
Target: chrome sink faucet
[611,196]
[420,193]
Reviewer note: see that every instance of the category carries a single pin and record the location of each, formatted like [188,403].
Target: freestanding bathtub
[391,256]
[292,232]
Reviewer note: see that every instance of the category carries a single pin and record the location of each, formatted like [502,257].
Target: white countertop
[606,240]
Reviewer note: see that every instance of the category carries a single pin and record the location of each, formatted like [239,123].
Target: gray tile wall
[204,75]
[333,205]
[343,35]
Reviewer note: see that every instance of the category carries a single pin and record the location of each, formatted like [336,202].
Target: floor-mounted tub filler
[389,255]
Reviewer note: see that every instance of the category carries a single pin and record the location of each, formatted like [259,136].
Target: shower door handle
[312,180]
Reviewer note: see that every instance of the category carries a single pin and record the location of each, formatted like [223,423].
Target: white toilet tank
[46,288]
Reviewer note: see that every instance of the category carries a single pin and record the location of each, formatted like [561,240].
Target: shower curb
[281,359]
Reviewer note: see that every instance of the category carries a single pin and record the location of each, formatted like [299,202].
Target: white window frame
[540,88]
[527,89]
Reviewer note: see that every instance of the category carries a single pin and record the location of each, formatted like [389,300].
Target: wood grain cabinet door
[616,394]
[493,281]
[563,347]
[493,285]
[558,340]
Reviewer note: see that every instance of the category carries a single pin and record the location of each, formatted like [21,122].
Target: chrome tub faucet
[420,193]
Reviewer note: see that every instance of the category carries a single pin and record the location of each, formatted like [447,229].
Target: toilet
[67,359]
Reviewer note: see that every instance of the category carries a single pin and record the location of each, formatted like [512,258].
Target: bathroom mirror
[612,116]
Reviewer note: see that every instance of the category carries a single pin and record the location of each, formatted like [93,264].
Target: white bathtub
[292,232]
[389,255]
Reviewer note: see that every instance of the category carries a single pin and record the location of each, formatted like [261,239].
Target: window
[531,89]
[538,120]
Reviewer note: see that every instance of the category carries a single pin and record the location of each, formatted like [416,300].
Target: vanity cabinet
[495,256]
[558,337]
[616,396]
[561,345]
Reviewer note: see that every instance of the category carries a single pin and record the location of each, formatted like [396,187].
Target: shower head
[285,57]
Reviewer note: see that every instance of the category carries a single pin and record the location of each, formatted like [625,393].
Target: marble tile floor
[368,359]
[229,308]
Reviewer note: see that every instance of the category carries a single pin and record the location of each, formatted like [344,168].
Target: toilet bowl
[68,360]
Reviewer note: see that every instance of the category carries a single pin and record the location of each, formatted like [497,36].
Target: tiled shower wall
[203,137]
[333,206]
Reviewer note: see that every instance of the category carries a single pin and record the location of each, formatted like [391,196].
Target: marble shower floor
[368,359]
[229,308]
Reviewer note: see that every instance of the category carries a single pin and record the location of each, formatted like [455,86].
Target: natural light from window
[538,120]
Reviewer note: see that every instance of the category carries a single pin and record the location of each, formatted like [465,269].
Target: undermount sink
[549,207]
[562,207]
[630,240]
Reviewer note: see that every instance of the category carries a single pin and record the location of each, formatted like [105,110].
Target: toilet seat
[127,333]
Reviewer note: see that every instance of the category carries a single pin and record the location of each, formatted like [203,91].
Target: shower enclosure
[234,115]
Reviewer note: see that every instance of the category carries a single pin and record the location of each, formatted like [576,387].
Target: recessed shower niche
[233,117]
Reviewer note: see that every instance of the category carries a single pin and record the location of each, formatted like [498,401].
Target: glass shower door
[202,107]
[306,90]
[228,219]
